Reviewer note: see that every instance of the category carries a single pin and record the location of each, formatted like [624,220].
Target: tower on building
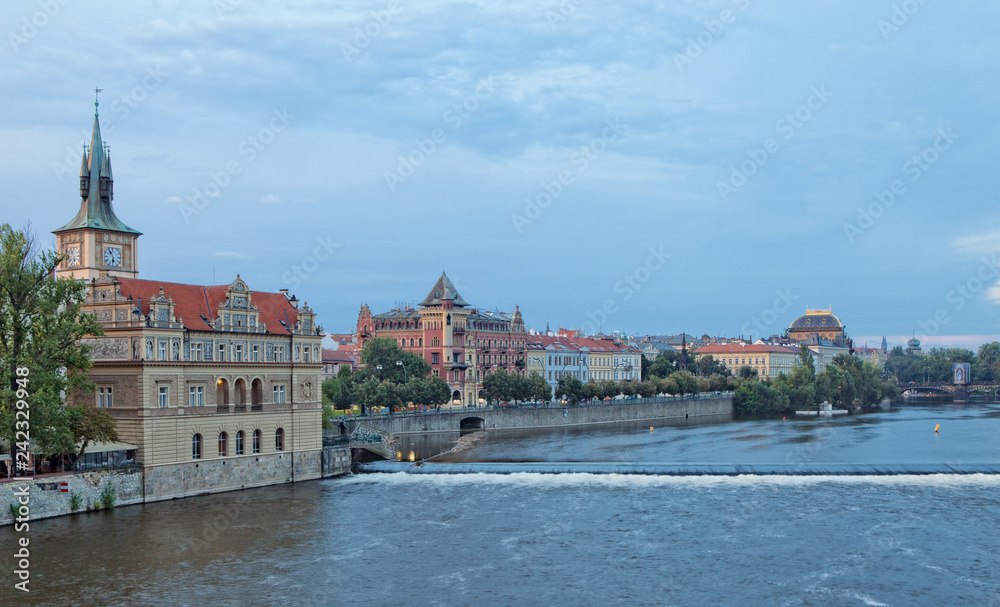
[96,242]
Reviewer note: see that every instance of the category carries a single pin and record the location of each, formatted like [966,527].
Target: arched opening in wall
[471,424]
[456,398]
[223,444]
[256,392]
[279,439]
[222,392]
[240,391]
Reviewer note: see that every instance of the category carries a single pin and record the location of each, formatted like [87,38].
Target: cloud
[979,244]
[269,198]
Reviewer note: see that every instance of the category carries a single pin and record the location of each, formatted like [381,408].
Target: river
[583,538]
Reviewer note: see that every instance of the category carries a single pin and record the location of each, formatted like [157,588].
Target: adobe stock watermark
[957,298]
[122,107]
[248,149]
[713,30]
[786,126]
[914,168]
[224,7]
[455,116]
[372,29]
[763,322]
[630,283]
[562,12]
[580,160]
[900,16]
[31,25]
[323,251]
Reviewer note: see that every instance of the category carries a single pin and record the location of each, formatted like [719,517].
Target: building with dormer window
[216,387]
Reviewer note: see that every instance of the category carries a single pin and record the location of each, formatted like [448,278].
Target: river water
[584,538]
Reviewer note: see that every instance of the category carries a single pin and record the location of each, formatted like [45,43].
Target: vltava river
[573,539]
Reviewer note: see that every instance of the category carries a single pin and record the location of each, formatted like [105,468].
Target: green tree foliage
[41,324]
[572,388]
[539,388]
[90,425]
[706,366]
[755,397]
[987,364]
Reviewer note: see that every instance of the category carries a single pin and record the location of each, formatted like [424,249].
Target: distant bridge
[958,391]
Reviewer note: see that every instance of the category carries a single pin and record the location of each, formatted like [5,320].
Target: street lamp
[400,364]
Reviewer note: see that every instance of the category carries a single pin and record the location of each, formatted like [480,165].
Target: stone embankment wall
[46,500]
[137,486]
[553,416]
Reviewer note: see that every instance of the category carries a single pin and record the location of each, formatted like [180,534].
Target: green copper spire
[96,187]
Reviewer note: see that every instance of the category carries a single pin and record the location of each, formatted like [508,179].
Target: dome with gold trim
[816,321]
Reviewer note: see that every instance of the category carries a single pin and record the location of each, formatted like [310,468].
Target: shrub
[75,501]
[108,496]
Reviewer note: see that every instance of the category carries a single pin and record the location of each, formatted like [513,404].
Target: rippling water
[571,539]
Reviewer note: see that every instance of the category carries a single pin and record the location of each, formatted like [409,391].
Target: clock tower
[96,242]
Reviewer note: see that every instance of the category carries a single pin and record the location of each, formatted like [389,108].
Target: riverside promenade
[551,414]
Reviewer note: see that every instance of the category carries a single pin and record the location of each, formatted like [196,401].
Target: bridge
[959,392]
[550,415]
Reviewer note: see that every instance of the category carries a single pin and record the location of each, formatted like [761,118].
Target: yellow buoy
[936,428]
[650,428]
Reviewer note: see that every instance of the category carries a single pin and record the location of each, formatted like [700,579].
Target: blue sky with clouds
[703,166]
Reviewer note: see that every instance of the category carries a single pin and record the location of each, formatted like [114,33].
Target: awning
[103,447]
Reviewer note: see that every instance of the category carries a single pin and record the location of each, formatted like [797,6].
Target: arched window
[256,441]
[279,439]
[239,443]
[223,443]
[221,392]
[196,446]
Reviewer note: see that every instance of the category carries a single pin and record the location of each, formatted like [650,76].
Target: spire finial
[97,92]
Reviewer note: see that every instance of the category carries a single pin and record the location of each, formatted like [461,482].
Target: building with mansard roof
[462,344]
[216,387]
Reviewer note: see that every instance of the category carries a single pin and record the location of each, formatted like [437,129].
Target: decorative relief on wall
[103,315]
[111,348]
[121,314]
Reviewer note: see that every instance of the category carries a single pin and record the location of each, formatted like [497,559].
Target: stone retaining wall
[137,486]
[46,499]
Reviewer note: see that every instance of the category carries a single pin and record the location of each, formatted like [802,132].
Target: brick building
[461,343]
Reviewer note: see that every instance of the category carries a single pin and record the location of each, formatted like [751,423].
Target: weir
[653,469]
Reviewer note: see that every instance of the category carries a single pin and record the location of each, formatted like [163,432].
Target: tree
[987,365]
[757,397]
[497,385]
[540,389]
[90,425]
[747,372]
[385,352]
[707,366]
[438,392]
[572,388]
[41,324]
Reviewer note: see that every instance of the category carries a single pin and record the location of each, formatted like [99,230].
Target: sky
[712,166]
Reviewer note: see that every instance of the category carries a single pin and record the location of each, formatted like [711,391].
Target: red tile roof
[193,301]
[338,356]
[737,348]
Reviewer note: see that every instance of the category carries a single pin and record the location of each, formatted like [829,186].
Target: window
[161,350]
[279,394]
[279,354]
[435,358]
[256,441]
[239,443]
[196,446]
[196,396]
[279,439]
[255,354]
[305,354]
[103,397]
[195,351]
[164,401]
[222,352]
[238,353]
[223,440]
[296,354]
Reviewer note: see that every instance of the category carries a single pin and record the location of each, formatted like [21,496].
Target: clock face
[74,256]
[113,256]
